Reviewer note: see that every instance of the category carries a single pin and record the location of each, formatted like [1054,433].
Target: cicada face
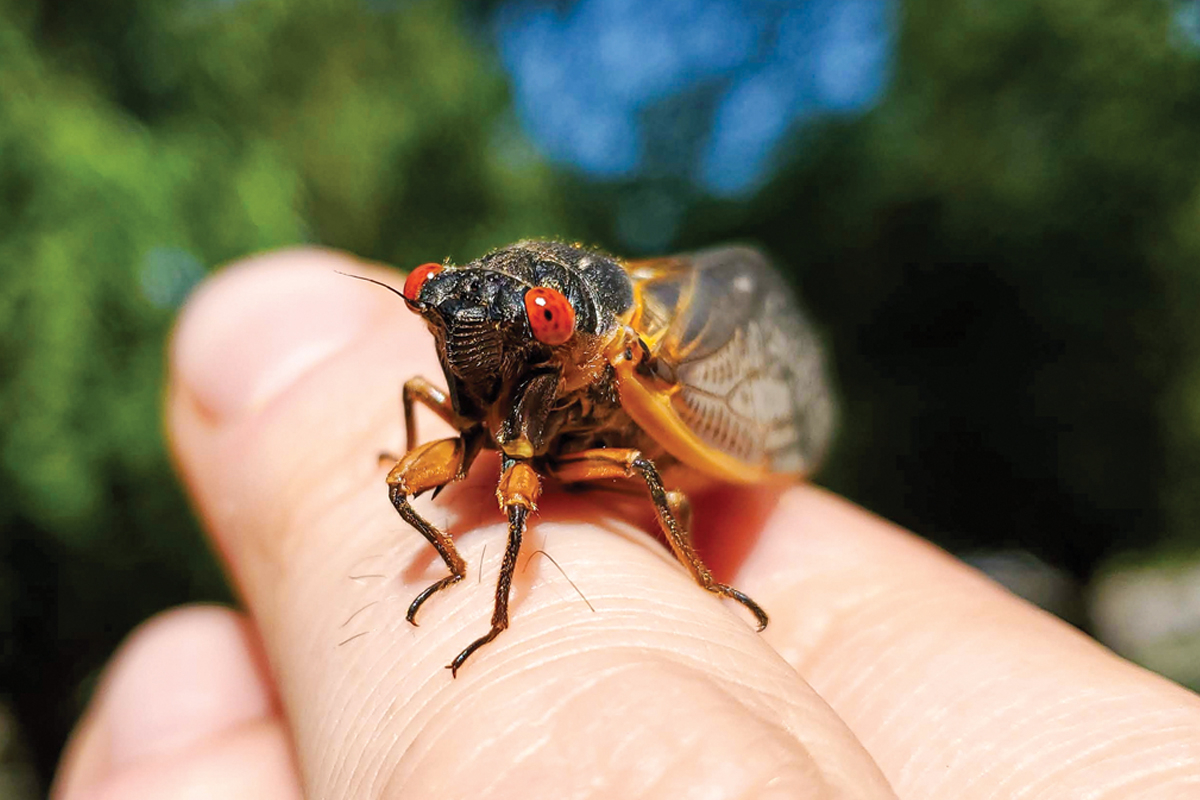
[527,308]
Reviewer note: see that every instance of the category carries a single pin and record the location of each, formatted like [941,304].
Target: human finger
[285,379]
[184,710]
[958,688]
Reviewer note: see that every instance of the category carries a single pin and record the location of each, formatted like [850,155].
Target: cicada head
[524,309]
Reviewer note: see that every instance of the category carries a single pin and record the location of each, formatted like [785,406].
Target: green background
[1003,253]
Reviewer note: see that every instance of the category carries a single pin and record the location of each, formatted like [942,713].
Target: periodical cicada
[581,367]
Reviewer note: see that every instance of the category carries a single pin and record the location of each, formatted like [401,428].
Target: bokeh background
[992,209]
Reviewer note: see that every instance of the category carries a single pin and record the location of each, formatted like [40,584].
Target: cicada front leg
[517,492]
[432,466]
[671,507]
[419,390]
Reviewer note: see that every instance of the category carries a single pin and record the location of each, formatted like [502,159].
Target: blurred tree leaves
[140,142]
[1004,254]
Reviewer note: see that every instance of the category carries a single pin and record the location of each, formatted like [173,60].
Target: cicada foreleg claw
[671,507]
[431,466]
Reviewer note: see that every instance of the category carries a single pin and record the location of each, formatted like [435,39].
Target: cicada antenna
[391,289]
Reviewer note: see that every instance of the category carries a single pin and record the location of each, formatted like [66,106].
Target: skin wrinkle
[1167,787]
[330,718]
[1149,776]
[789,732]
[368,726]
[559,710]
[964,757]
[1069,744]
[871,690]
[314,642]
[936,680]
[629,752]
[985,775]
[837,619]
[247,584]
[1064,757]
[431,738]
[760,792]
[1036,747]
[569,604]
[532,690]
[415,731]
[1069,765]
[892,613]
[719,697]
[661,646]
[690,752]
[382,697]
[527,648]
[422,733]
[738,623]
[345,683]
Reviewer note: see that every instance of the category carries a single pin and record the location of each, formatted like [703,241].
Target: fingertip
[184,677]
[259,324]
[253,762]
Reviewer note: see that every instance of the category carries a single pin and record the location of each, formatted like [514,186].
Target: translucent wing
[745,367]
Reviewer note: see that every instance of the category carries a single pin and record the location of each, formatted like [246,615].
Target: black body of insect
[583,367]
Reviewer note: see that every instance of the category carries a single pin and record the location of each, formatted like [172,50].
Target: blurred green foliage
[1003,252]
[138,141]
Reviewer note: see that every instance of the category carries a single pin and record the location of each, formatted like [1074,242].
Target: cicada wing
[747,365]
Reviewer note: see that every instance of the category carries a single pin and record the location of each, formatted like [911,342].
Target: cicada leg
[517,492]
[432,466]
[419,390]
[672,509]
[422,391]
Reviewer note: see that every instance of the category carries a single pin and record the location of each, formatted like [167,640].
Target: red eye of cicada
[550,315]
[416,279]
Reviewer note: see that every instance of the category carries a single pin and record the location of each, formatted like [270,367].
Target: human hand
[886,661]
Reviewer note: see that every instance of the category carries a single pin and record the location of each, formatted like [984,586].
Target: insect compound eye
[550,315]
[416,279]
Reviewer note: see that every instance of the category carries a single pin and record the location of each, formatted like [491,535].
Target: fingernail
[180,680]
[256,327]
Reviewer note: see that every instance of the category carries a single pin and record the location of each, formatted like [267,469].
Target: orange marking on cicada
[551,317]
[416,279]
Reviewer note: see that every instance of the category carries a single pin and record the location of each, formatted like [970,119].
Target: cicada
[581,367]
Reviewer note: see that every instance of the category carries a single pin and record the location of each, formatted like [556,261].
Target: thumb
[285,385]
